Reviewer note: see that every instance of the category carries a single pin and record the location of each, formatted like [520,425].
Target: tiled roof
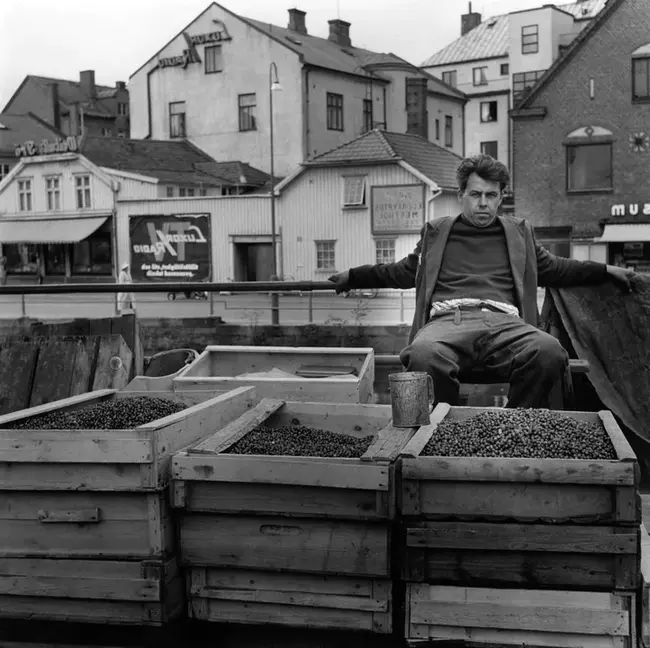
[17,129]
[428,158]
[490,38]
[176,161]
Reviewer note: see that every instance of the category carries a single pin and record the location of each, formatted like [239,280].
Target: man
[476,278]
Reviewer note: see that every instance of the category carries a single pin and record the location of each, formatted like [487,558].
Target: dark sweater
[476,264]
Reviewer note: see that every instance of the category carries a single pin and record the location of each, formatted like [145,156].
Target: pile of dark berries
[116,414]
[527,433]
[300,441]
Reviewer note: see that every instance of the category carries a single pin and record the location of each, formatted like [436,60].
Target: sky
[59,38]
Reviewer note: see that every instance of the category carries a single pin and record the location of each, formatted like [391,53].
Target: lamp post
[274,86]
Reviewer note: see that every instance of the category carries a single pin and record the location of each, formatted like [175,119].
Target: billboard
[397,209]
[170,248]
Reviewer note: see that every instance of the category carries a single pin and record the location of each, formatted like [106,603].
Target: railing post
[311,306]
[23,307]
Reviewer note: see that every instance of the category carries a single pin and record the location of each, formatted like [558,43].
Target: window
[212,56]
[530,39]
[25,195]
[186,192]
[488,111]
[334,111]
[204,191]
[479,76]
[53,193]
[106,132]
[22,258]
[385,250]
[121,134]
[247,112]
[122,109]
[54,258]
[450,78]
[177,126]
[4,171]
[522,82]
[449,131]
[589,167]
[641,79]
[170,192]
[367,115]
[82,185]
[437,129]
[491,149]
[325,259]
[505,69]
[93,256]
[190,192]
[354,191]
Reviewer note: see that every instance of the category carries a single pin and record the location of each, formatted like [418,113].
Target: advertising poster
[397,209]
[170,248]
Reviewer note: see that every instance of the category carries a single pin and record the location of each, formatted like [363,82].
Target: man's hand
[341,280]
[622,276]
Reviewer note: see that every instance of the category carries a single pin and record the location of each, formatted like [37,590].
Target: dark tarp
[611,329]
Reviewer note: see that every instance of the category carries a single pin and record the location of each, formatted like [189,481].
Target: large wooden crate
[295,373]
[532,523]
[499,617]
[99,493]
[301,514]
[288,599]
[92,591]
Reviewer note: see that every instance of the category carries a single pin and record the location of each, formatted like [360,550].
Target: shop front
[627,236]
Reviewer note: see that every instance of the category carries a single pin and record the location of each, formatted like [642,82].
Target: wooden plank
[518,537]
[275,543]
[623,449]
[17,366]
[79,516]
[420,440]
[239,428]
[291,471]
[84,366]
[497,469]
[53,374]
[388,443]
[110,373]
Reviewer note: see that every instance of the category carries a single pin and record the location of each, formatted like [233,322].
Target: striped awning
[50,230]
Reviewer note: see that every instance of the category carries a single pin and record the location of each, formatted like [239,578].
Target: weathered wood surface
[644,597]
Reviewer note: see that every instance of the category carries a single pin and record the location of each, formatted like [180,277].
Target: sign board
[190,55]
[633,209]
[170,248]
[45,147]
[397,209]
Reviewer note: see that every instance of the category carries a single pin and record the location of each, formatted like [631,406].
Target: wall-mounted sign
[633,209]
[190,55]
[397,209]
[45,147]
[170,248]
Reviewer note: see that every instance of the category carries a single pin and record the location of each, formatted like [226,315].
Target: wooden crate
[299,600]
[522,490]
[644,597]
[498,617]
[227,366]
[304,514]
[91,591]
[110,460]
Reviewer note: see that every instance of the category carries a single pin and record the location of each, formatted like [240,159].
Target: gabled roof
[171,161]
[376,146]
[490,38]
[18,129]
[610,7]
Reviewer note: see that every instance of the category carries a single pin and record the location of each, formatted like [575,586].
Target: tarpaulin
[610,328]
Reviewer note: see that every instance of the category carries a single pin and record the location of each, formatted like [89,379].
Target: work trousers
[533,362]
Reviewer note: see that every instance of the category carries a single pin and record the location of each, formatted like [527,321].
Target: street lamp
[274,86]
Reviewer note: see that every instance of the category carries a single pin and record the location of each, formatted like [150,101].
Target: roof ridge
[46,78]
[387,144]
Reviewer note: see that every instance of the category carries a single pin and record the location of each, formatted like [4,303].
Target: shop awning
[51,230]
[625,233]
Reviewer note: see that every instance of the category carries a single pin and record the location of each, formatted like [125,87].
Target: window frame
[247,113]
[26,205]
[122,108]
[53,194]
[484,152]
[360,189]
[489,103]
[182,118]
[483,80]
[452,78]
[334,111]
[589,190]
[449,131]
[645,98]
[206,58]
[534,43]
[325,268]
[367,115]
[85,189]
[392,242]
[169,191]
[5,170]
[437,128]
[507,69]
[536,76]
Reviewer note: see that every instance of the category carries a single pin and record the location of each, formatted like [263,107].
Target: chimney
[340,32]
[297,21]
[469,20]
[417,117]
[56,105]
[120,85]
[87,82]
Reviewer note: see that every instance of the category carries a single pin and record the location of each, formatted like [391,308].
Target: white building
[212,83]
[497,61]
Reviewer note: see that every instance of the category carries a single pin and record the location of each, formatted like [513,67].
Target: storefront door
[253,261]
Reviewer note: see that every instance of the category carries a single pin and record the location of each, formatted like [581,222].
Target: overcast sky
[58,38]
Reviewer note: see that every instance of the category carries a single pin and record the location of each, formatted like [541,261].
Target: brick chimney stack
[297,21]
[87,82]
[56,105]
[469,20]
[340,32]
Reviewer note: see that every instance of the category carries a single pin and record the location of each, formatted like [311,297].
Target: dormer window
[641,74]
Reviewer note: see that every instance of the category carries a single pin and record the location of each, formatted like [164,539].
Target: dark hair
[486,167]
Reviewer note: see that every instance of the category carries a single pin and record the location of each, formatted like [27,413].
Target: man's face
[480,201]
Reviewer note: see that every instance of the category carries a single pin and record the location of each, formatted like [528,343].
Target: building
[582,143]
[15,130]
[495,62]
[212,85]
[74,107]
[58,204]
